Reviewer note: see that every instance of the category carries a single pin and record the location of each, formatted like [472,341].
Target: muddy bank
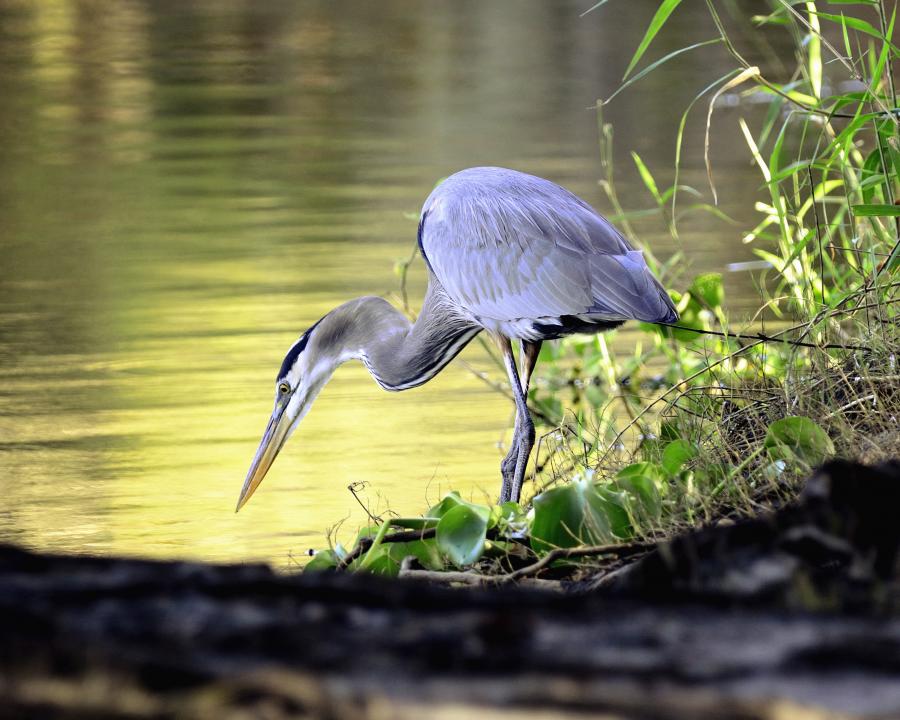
[795,612]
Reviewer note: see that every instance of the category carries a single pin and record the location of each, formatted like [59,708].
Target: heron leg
[527,359]
[514,464]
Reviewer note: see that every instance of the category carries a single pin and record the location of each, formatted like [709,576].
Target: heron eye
[283,388]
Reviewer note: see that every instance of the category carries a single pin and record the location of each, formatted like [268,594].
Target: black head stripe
[292,355]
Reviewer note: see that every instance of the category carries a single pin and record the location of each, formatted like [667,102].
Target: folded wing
[509,246]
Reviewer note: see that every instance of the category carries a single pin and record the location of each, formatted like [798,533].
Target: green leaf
[641,481]
[659,19]
[461,533]
[857,24]
[422,523]
[616,505]
[708,288]
[649,182]
[676,454]
[447,503]
[322,560]
[798,439]
[650,68]
[379,562]
[510,513]
[876,210]
[571,515]
[425,551]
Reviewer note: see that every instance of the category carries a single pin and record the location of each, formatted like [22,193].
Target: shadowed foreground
[768,618]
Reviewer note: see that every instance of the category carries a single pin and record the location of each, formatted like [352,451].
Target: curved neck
[399,354]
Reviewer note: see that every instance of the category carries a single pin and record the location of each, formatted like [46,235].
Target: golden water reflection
[185,187]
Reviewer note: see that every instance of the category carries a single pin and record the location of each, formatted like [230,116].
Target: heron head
[303,373]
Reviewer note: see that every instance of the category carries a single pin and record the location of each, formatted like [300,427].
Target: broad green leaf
[659,19]
[461,533]
[378,562]
[448,502]
[676,454]
[425,551]
[322,560]
[876,210]
[510,513]
[642,481]
[708,288]
[798,438]
[571,515]
[615,504]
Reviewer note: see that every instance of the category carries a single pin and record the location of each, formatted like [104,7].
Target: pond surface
[186,186]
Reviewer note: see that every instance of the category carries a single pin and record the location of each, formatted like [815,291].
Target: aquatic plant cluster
[719,419]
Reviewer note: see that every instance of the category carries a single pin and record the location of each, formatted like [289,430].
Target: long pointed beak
[277,432]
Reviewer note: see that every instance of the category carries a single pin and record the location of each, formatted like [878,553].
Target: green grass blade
[659,19]
[647,177]
[856,24]
[876,210]
[593,7]
[650,68]
[814,51]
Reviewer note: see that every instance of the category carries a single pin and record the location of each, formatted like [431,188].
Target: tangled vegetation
[718,418]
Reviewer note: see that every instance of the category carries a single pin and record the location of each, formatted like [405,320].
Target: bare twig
[583,551]
[353,488]
[760,337]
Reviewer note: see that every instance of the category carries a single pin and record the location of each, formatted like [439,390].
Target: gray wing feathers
[510,246]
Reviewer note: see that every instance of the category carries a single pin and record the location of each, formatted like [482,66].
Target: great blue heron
[508,253]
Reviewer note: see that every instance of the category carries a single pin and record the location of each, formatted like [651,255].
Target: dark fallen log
[834,549]
[92,637]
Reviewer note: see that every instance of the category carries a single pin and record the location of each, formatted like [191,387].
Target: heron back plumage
[527,258]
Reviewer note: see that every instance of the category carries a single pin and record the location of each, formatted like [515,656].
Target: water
[186,186]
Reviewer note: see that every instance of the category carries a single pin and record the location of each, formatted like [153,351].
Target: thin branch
[619,551]
[353,487]
[761,337]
